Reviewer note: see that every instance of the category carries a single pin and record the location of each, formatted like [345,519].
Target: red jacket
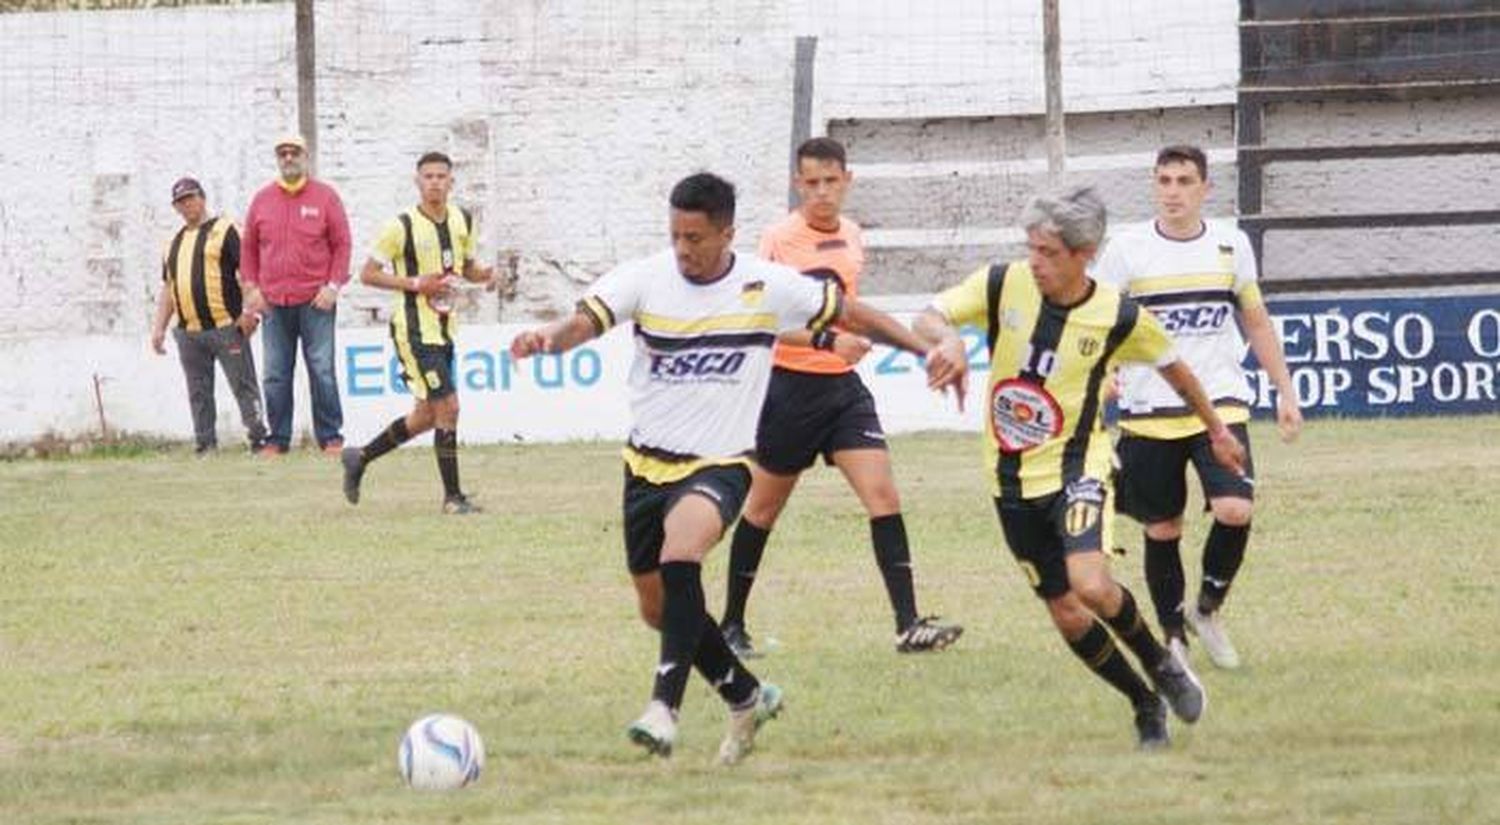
[294,243]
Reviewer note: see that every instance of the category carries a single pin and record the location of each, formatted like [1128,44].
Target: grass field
[226,641]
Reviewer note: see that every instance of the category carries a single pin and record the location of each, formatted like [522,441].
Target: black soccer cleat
[354,472]
[926,634]
[1151,724]
[1180,687]
[739,641]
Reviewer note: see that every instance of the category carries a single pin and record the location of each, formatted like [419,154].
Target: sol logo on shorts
[1024,415]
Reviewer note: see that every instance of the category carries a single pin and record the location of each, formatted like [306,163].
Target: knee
[884,500]
[1165,530]
[1234,512]
[1097,593]
[1069,615]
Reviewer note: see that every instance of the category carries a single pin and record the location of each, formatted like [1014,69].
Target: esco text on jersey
[1191,319]
[696,364]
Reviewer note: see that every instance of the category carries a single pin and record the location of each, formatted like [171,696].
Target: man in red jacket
[293,261]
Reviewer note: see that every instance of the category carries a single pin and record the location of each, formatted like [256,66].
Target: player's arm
[559,336]
[376,275]
[1266,345]
[476,274]
[946,366]
[1226,448]
[849,346]
[947,357]
[164,310]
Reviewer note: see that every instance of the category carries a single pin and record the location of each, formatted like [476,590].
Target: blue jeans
[282,328]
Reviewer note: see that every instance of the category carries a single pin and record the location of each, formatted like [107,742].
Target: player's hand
[1228,450]
[1288,416]
[431,284]
[248,322]
[159,341]
[528,343]
[948,366]
[484,276]
[851,347]
[1112,387]
[326,299]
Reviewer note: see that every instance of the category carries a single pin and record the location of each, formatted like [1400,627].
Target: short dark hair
[435,157]
[1184,153]
[707,193]
[823,148]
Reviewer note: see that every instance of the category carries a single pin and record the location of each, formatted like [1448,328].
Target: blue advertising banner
[1388,356]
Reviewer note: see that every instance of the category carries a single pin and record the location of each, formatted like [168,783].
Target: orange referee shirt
[837,256]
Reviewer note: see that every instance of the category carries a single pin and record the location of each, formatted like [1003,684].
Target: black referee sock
[445,445]
[745,550]
[1165,580]
[735,684]
[389,439]
[1223,553]
[893,555]
[682,627]
[1135,633]
[1098,651]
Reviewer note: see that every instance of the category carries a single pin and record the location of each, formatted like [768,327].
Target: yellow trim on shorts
[661,471]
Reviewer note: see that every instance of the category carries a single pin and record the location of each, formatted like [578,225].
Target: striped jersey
[201,268]
[1048,365]
[836,256]
[413,245]
[702,354]
[1194,287]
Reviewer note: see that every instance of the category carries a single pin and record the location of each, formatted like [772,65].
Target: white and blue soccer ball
[440,752]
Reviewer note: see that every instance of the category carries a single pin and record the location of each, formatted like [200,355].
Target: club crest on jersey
[1088,346]
[1024,415]
[752,293]
[1012,319]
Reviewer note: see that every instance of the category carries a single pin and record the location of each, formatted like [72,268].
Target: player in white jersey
[1198,278]
[705,320]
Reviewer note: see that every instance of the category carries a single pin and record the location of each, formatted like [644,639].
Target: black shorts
[806,414]
[647,504]
[1153,474]
[426,368]
[1042,531]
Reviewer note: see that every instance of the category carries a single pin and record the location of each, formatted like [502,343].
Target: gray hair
[1075,213]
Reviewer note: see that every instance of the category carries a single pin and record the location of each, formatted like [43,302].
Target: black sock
[718,664]
[1222,555]
[1165,581]
[445,445]
[1135,633]
[1098,651]
[682,628]
[389,439]
[745,550]
[893,555]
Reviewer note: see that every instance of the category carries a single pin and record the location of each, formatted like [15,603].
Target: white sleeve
[800,302]
[615,297]
[1110,268]
[1246,272]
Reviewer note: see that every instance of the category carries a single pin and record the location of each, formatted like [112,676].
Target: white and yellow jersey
[702,354]
[1194,287]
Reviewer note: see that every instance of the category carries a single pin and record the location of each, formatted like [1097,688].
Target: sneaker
[656,730]
[1215,641]
[334,447]
[1177,683]
[269,450]
[1177,646]
[926,634]
[1151,724]
[738,640]
[354,472]
[460,505]
[744,722]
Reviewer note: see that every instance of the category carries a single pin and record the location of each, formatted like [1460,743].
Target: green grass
[226,641]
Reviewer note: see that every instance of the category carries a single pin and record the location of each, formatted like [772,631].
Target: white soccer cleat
[1215,641]
[656,730]
[1178,647]
[744,722]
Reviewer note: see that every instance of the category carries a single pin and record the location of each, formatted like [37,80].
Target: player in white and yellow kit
[1199,279]
[704,321]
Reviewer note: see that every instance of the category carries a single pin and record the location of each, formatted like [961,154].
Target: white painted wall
[569,120]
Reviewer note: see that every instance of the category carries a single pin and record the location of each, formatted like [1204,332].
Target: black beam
[1267,154]
[1367,283]
[1370,92]
[1370,220]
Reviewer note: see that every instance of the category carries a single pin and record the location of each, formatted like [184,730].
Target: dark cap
[185,187]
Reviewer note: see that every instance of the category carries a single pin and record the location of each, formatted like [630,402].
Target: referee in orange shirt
[818,405]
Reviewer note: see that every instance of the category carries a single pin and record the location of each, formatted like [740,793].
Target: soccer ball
[440,752]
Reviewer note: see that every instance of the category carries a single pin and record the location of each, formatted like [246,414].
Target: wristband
[823,339]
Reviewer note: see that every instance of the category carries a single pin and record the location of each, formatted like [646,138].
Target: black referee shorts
[808,414]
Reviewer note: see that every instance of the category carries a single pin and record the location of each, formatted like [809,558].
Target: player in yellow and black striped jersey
[1198,277]
[429,250]
[1054,338]
[201,286]
[704,321]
